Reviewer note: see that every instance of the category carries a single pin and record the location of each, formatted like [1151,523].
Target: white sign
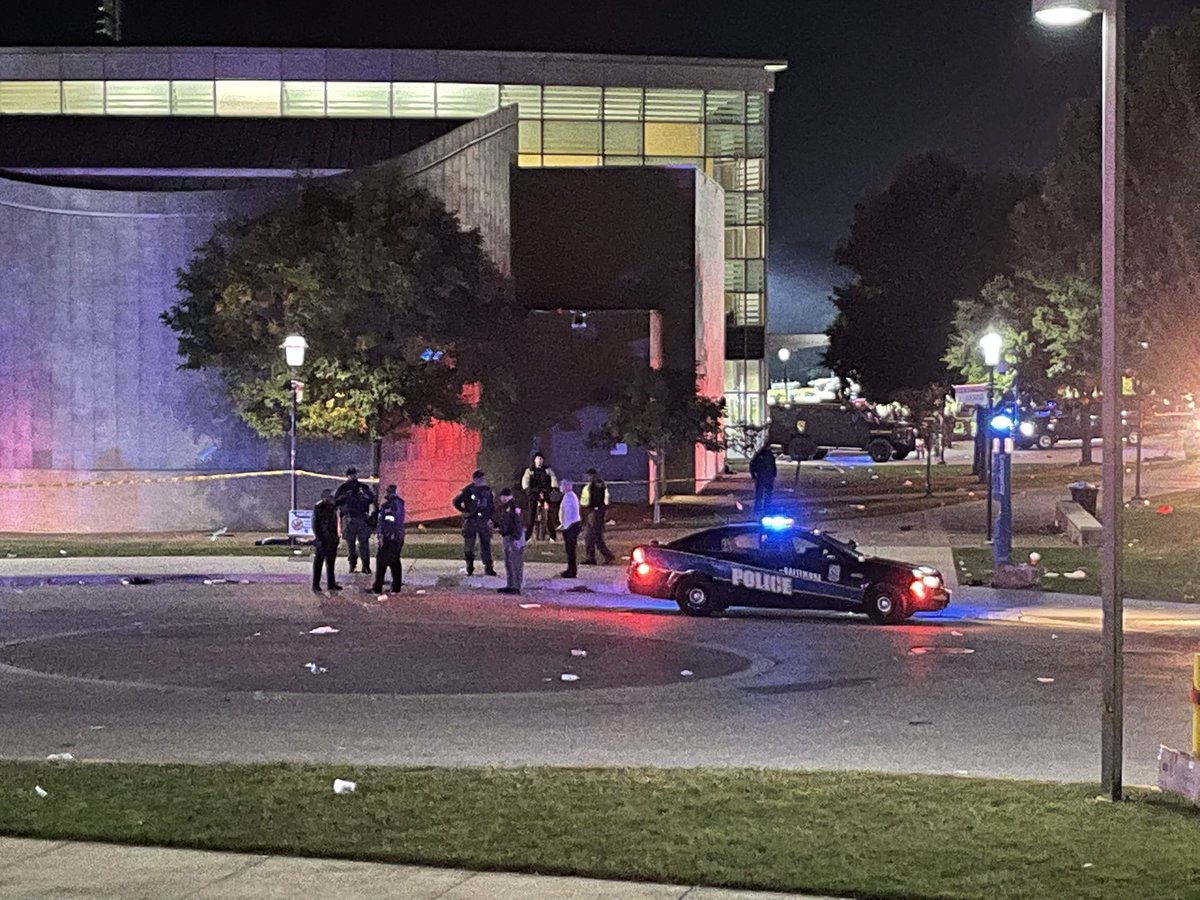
[300,523]
[756,580]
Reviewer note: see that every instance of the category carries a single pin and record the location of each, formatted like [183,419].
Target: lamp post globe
[1065,13]
[293,347]
[992,345]
[784,355]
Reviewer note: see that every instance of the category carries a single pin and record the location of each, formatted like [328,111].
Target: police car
[775,563]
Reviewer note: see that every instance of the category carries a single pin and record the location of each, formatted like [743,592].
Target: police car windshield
[842,545]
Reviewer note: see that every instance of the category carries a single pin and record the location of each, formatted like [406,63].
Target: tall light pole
[293,353]
[1112,236]
[784,355]
[992,345]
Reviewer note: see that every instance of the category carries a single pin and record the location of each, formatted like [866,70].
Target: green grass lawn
[852,835]
[1161,554]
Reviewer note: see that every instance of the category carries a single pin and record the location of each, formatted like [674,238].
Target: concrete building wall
[89,382]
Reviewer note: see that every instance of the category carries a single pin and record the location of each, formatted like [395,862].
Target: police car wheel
[697,597]
[886,608]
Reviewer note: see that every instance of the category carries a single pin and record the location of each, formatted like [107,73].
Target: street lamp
[293,354]
[992,345]
[784,355]
[1112,236]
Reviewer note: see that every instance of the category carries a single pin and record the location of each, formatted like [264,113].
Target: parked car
[809,431]
[774,563]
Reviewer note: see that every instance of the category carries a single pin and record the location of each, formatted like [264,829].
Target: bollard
[1195,695]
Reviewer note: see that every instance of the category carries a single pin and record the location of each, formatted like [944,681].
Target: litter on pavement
[215,581]
[40,791]
[530,605]
[315,669]
[341,786]
[422,591]
[60,757]
[220,532]
[687,673]
[579,653]
[567,676]
[1165,510]
[1042,679]
[1076,575]
[324,629]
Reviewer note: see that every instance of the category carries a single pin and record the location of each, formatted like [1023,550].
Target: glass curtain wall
[721,132]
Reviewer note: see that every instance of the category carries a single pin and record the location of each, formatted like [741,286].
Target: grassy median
[854,835]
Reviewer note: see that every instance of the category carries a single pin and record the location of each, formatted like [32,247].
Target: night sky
[870,83]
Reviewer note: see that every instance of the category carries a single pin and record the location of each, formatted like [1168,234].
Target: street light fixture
[1112,236]
[992,345]
[294,346]
[784,355]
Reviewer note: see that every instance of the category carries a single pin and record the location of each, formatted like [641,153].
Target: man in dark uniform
[325,541]
[391,540]
[477,505]
[594,500]
[354,499]
[512,528]
[763,471]
[538,482]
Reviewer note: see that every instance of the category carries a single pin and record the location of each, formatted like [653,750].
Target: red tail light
[644,569]
[639,555]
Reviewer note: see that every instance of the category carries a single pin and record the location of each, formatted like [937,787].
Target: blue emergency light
[777,523]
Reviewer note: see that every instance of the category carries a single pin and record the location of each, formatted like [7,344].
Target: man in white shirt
[570,524]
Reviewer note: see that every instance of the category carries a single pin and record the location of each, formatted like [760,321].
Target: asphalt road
[206,673]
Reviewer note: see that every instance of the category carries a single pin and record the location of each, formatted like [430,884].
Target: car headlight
[1027,429]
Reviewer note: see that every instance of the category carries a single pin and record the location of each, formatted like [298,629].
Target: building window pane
[735,241]
[571,137]
[756,208]
[676,162]
[570,160]
[193,98]
[529,160]
[304,98]
[729,173]
[735,274]
[526,97]
[623,138]
[413,100]
[674,139]
[752,309]
[529,138]
[248,98]
[735,208]
[349,99]
[756,279]
[725,106]
[137,98]
[756,108]
[622,160]
[756,140]
[624,104]
[466,101]
[30,97]
[673,105]
[565,102]
[725,140]
[83,98]
[755,235]
[753,180]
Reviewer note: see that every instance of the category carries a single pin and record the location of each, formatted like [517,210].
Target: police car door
[820,573]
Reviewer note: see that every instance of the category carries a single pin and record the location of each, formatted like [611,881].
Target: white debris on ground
[1042,679]
[687,673]
[341,786]
[315,669]
[324,629]
[40,791]
[215,581]
[579,652]
[568,676]
[530,605]
[220,532]
[1076,575]
[60,757]
[422,591]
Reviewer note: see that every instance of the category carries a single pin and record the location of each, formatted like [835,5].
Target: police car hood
[896,565]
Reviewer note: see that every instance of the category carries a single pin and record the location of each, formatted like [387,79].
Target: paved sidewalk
[32,868]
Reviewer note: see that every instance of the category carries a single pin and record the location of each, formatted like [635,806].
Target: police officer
[538,482]
[512,529]
[325,541]
[477,505]
[594,500]
[763,470]
[353,500]
[391,540]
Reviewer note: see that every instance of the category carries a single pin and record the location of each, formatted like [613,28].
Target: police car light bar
[777,523]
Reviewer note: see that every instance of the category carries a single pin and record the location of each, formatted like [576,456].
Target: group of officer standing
[362,514]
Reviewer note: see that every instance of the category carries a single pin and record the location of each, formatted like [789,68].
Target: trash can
[1085,495]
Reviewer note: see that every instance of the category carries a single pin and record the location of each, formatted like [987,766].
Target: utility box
[1179,773]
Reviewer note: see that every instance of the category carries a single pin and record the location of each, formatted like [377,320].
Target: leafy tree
[661,412]
[402,310]
[937,234]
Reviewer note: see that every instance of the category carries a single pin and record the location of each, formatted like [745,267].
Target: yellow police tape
[225,476]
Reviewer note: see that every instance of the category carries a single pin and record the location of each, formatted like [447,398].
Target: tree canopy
[938,233]
[661,411]
[402,310]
